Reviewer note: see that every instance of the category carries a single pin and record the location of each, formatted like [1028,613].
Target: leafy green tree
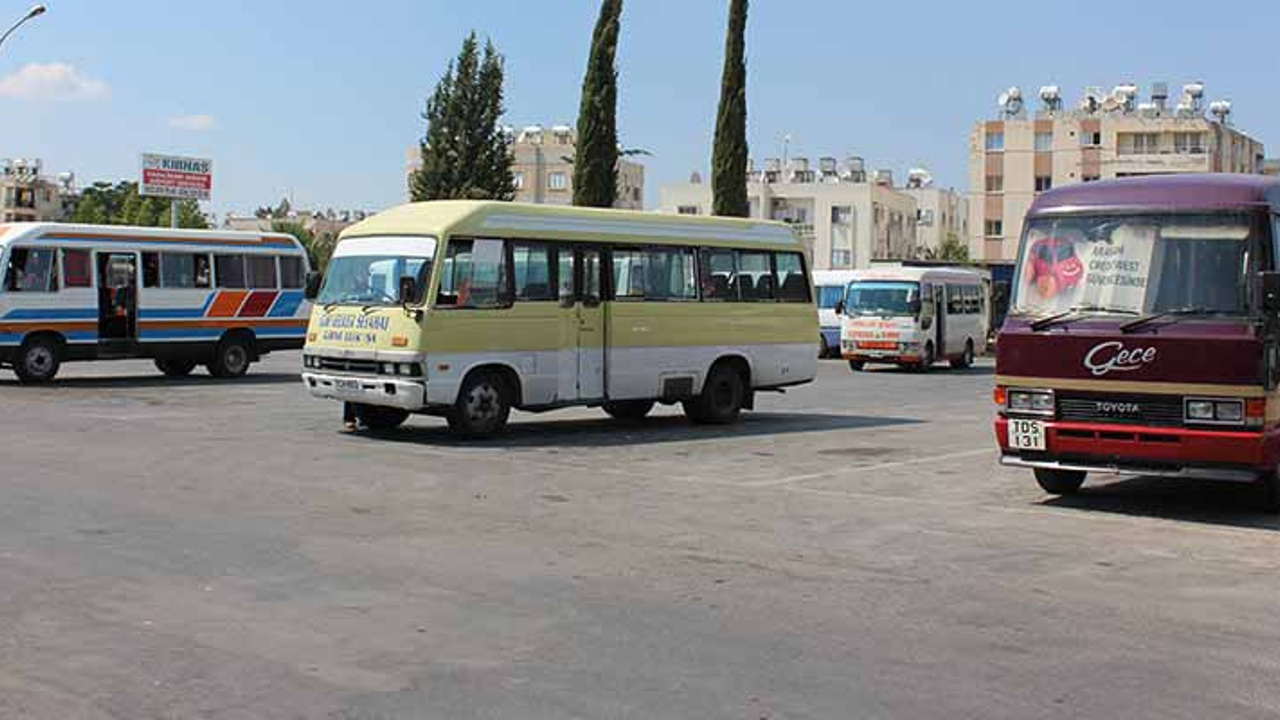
[319,247]
[465,154]
[729,156]
[952,249]
[120,204]
[595,167]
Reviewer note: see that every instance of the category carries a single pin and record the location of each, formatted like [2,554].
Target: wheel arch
[739,362]
[508,374]
[247,335]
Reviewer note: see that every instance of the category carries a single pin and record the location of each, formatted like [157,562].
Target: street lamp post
[33,13]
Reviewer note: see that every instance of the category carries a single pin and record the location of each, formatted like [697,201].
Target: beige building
[1109,135]
[845,218]
[940,212]
[542,166]
[28,196]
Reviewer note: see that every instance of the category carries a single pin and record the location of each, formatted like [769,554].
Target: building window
[1043,182]
[1090,178]
[995,142]
[995,183]
[1044,142]
[1091,139]
[557,181]
[994,228]
[841,258]
[1138,144]
[517,179]
[687,210]
[1188,143]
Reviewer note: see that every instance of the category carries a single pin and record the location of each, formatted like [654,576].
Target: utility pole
[33,13]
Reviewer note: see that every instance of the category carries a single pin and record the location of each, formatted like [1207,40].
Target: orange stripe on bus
[228,303]
[19,328]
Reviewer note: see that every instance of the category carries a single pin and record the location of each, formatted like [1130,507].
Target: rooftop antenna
[1051,96]
[1010,101]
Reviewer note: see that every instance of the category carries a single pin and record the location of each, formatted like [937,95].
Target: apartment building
[1108,135]
[542,167]
[845,217]
[26,195]
[941,212]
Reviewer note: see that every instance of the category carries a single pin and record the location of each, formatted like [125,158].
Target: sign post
[177,178]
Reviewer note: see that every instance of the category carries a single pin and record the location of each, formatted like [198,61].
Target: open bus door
[117,301]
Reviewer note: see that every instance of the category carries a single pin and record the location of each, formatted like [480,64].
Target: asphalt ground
[208,549]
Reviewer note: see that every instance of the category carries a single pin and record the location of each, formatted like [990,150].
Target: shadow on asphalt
[1198,501]
[155,381]
[940,370]
[608,432]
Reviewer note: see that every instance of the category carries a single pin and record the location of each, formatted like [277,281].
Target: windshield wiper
[366,308]
[1075,313]
[1145,320]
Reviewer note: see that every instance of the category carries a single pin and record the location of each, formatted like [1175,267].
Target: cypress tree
[465,153]
[729,156]
[595,165]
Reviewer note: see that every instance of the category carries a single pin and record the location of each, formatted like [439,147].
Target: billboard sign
[171,176]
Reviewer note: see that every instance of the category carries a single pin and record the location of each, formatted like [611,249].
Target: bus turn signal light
[1255,408]
[400,341]
[1000,396]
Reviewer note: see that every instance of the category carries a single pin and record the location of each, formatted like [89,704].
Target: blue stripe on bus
[287,304]
[52,314]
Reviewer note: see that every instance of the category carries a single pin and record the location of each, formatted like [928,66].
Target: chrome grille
[1148,410]
[365,367]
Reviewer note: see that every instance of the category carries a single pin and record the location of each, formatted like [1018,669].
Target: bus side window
[790,279]
[291,272]
[531,264]
[716,272]
[32,270]
[230,270]
[76,266]
[955,300]
[150,270]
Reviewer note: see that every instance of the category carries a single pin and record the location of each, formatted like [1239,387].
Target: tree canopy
[729,156]
[120,204]
[595,167]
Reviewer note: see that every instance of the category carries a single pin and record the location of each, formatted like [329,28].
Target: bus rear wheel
[483,407]
[856,365]
[723,395]
[38,360]
[1059,482]
[966,360]
[628,409]
[175,367]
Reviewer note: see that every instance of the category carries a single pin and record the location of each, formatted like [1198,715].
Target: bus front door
[940,304]
[117,299]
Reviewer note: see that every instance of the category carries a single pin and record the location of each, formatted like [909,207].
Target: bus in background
[829,286]
[914,317]
[1143,337]
[181,297]
[467,310]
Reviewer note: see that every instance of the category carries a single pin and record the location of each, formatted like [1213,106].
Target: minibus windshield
[867,297]
[371,279]
[1136,264]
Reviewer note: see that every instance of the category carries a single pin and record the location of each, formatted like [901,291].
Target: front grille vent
[1148,410]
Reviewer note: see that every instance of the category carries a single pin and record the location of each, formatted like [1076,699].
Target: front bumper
[403,393]
[1141,450]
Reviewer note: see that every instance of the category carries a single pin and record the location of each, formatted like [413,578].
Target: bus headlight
[1030,402]
[1213,410]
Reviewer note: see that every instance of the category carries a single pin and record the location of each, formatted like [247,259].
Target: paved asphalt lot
[196,549]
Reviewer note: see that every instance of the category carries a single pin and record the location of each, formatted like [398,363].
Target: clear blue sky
[320,99]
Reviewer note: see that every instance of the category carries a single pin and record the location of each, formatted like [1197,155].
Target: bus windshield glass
[1136,264]
[883,298]
[367,271]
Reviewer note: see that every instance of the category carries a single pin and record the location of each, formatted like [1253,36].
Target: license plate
[1026,434]
[346,384]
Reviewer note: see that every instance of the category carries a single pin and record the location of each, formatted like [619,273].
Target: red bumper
[1138,444]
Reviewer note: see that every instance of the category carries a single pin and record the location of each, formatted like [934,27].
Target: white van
[914,317]
[829,287]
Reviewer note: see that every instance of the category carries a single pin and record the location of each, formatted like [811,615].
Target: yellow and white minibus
[469,309]
[915,316]
[181,297]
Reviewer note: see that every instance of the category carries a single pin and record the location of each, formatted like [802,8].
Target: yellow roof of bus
[483,218]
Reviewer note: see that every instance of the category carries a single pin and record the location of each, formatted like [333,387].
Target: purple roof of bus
[1199,191]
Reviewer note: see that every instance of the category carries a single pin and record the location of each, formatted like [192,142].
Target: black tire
[965,361]
[1269,486]
[380,418]
[856,365]
[927,359]
[628,409]
[1059,482]
[722,398]
[38,360]
[231,359]
[175,367]
[482,408]
[824,350]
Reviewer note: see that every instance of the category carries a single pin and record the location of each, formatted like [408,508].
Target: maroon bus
[1142,336]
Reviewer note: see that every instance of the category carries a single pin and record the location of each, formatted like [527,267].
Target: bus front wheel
[483,407]
[1269,485]
[231,359]
[856,365]
[38,360]
[723,395]
[1059,482]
